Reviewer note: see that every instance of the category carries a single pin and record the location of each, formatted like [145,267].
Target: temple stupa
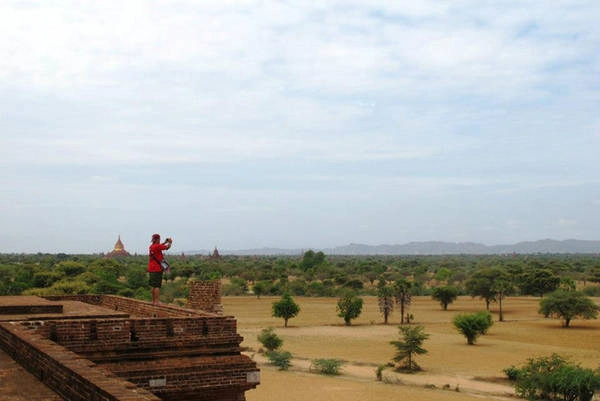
[118,251]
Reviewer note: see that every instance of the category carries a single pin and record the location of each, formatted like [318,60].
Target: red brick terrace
[101,347]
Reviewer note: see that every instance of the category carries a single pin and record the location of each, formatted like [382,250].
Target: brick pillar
[205,295]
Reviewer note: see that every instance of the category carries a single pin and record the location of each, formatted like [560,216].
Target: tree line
[490,278]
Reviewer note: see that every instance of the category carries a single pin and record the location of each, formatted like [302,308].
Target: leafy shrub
[269,339]
[297,287]
[281,359]
[45,278]
[70,268]
[107,287]
[472,325]
[555,378]
[68,287]
[136,277]
[326,366]
[349,307]
[512,373]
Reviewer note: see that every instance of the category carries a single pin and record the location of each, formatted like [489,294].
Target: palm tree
[385,299]
[403,295]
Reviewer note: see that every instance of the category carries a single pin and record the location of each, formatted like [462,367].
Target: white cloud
[427,104]
[567,223]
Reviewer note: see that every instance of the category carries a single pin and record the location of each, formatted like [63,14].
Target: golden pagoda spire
[119,245]
[119,249]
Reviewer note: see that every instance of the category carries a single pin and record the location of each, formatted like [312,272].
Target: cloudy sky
[297,124]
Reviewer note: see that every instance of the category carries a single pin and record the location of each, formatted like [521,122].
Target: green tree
[107,269]
[285,308]
[312,259]
[70,268]
[594,274]
[472,325]
[539,281]
[45,278]
[349,307]
[261,288]
[445,295]
[136,277]
[410,345]
[443,274]
[402,294]
[385,299]
[568,305]
[567,283]
[502,286]
[237,286]
[480,284]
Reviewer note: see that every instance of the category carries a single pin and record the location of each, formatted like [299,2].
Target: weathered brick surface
[69,375]
[175,353]
[205,295]
[22,305]
[17,384]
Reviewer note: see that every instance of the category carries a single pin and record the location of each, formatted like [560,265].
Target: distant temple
[215,254]
[118,251]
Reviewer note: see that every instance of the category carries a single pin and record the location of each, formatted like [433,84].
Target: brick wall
[175,353]
[91,337]
[205,295]
[69,375]
[195,376]
[131,306]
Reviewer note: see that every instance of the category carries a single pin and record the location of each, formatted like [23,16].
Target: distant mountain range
[436,248]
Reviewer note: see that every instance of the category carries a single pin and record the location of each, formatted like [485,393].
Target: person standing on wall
[155,271]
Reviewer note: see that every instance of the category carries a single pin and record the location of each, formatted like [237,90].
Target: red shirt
[156,250]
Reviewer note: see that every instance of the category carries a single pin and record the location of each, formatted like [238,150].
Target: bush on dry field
[554,378]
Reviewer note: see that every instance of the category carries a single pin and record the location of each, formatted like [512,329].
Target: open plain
[452,370]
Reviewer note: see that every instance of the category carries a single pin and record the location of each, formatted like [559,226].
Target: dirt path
[464,384]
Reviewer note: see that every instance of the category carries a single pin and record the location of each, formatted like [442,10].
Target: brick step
[141,355]
[30,309]
[215,342]
[191,365]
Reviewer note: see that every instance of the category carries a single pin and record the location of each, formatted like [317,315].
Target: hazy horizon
[418,247]
[251,124]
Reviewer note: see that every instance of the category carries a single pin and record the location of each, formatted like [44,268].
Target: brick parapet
[69,375]
[131,306]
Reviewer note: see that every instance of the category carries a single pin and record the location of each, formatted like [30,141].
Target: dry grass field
[452,370]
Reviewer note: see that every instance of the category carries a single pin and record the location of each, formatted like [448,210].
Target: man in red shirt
[155,271]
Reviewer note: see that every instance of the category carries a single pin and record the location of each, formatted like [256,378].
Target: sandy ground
[406,383]
[451,368]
